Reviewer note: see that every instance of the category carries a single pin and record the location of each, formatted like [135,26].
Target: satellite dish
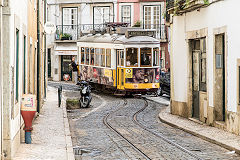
[49,28]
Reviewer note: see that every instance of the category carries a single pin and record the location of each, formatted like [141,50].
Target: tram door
[120,69]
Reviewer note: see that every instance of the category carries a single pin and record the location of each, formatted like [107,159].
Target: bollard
[59,95]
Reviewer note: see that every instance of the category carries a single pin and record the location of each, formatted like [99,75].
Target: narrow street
[129,128]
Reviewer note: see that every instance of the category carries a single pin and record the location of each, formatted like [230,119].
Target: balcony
[161,32]
[71,33]
[182,6]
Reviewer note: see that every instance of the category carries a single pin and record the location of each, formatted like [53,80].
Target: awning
[66,49]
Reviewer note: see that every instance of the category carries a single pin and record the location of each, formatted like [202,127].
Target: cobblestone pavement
[96,141]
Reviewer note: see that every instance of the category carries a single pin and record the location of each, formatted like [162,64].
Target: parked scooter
[85,94]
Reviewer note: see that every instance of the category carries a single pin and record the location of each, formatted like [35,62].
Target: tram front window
[82,55]
[131,57]
[156,57]
[146,57]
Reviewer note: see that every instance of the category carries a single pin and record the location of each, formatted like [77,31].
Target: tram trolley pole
[59,95]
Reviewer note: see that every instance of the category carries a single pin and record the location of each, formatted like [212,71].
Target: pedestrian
[74,70]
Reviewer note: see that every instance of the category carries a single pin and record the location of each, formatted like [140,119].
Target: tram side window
[131,57]
[87,56]
[156,57]
[82,55]
[103,57]
[146,56]
[92,56]
[108,56]
[97,53]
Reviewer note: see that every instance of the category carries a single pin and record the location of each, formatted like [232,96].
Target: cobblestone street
[137,121]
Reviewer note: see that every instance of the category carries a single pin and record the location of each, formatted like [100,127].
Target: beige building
[205,62]
[23,67]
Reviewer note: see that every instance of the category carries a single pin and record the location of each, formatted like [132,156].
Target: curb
[231,148]
[68,138]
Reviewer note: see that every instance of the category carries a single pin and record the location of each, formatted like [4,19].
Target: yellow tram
[127,63]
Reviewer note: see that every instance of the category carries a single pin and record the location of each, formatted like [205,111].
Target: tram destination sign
[134,33]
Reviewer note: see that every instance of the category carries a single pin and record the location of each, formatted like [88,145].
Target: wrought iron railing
[73,32]
[161,32]
[169,4]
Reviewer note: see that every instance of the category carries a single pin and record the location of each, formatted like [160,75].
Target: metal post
[59,95]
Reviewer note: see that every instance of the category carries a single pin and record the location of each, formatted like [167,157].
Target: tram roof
[118,39]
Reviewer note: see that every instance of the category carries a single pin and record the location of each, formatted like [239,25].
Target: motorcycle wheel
[159,92]
[85,102]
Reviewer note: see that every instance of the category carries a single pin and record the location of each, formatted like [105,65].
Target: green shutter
[17,63]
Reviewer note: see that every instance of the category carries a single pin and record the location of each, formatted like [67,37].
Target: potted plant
[65,36]
[137,24]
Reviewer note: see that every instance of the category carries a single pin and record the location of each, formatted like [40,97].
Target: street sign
[49,28]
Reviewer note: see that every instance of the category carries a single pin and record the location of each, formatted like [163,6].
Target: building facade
[73,18]
[147,14]
[205,62]
[19,67]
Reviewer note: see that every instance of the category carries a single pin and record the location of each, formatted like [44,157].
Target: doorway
[219,87]
[65,67]
[198,74]
[49,63]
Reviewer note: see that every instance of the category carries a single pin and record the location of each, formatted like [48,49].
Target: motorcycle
[85,94]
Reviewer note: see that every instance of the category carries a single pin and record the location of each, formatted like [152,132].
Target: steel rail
[105,121]
[134,118]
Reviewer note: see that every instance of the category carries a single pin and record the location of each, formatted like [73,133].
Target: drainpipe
[45,49]
[38,58]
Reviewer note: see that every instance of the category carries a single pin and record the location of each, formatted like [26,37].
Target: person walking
[74,70]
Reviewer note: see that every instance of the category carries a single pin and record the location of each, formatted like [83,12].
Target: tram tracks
[105,121]
[134,119]
[136,122]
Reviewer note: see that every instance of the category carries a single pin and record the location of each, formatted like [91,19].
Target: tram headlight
[145,80]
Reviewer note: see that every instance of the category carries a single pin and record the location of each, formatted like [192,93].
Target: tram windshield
[146,56]
[131,57]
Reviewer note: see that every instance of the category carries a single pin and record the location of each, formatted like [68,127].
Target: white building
[205,62]
[14,44]
[73,17]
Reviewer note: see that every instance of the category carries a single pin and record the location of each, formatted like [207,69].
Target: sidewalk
[212,134]
[51,138]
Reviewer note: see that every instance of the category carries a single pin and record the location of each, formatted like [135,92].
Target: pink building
[148,14]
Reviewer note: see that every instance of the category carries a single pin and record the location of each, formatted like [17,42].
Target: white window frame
[104,16]
[70,19]
[123,16]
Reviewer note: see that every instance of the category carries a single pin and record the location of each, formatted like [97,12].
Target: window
[101,15]
[92,56]
[70,17]
[17,65]
[146,56]
[108,56]
[152,18]
[132,57]
[162,57]
[97,57]
[82,55]
[120,59]
[87,56]
[156,57]
[102,57]
[126,14]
